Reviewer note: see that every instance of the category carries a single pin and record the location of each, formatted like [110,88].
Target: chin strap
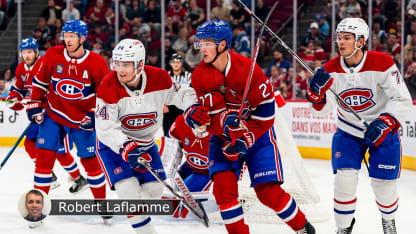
[355,50]
[218,53]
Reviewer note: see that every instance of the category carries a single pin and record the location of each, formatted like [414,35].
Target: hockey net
[297,183]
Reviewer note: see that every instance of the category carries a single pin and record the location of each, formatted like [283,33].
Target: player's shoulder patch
[377,61]
[157,79]
[110,89]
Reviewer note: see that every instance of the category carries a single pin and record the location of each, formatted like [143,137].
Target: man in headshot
[34,205]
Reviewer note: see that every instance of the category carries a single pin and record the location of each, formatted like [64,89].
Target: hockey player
[25,71]
[129,112]
[194,171]
[371,84]
[66,82]
[219,82]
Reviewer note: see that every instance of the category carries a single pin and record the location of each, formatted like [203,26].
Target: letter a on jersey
[85,75]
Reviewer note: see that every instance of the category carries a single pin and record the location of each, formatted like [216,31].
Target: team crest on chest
[69,89]
[358,99]
[197,161]
[133,122]
[59,69]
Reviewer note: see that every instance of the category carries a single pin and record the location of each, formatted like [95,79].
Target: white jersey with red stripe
[372,87]
[123,114]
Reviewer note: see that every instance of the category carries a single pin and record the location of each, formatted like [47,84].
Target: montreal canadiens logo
[197,161]
[358,99]
[138,121]
[69,89]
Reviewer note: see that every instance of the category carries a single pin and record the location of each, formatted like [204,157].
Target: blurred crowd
[141,19]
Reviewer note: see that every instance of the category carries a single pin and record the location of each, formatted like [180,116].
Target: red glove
[131,153]
[14,102]
[197,115]
[232,128]
[239,149]
[378,130]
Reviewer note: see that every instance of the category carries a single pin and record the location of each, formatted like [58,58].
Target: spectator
[241,43]
[319,52]
[379,18]
[81,5]
[393,44]
[275,78]
[110,16]
[152,16]
[238,16]
[168,50]
[261,10]
[133,11]
[410,79]
[4,92]
[57,39]
[327,12]
[323,25]
[377,46]
[95,14]
[381,34]
[46,32]
[196,14]
[57,27]
[409,49]
[97,35]
[312,35]
[153,59]
[51,13]
[177,13]
[3,14]
[220,12]
[279,61]
[7,77]
[181,43]
[70,14]
[122,33]
[37,34]
[300,87]
[350,9]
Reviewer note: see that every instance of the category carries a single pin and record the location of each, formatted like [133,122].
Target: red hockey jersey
[195,149]
[24,74]
[219,91]
[68,85]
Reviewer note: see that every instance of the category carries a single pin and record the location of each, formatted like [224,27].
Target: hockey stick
[189,198]
[15,145]
[253,64]
[283,44]
[202,216]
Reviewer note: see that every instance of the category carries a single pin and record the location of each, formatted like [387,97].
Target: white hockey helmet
[129,50]
[356,26]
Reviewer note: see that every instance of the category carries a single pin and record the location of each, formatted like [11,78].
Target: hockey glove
[237,151]
[378,129]
[14,102]
[232,128]
[34,111]
[318,86]
[131,153]
[196,116]
[88,122]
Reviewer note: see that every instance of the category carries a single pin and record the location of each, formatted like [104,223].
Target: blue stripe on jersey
[344,212]
[385,212]
[141,224]
[21,92]
[350,124]
[37,83]
[43,180]
[96,181]
[229,214]
[289,211]
[264,110]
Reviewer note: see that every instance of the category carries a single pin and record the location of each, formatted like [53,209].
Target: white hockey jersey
[123,114]
[371,88]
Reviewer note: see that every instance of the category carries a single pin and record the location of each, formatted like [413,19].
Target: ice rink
[17,177]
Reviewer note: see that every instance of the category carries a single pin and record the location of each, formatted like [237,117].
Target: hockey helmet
[29,43]
[176,57]
[129,50]
[216,29]
[76,26]
[356,26]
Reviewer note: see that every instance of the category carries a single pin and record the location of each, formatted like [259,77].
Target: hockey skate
[54,184]
[347,230]
[307,229]
[389,226]
[78,185]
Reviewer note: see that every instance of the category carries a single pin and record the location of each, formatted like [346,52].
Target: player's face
[34,205]
[72,41]
[29,56]
[346,43]
[125,71]
[208,49]
[176,65]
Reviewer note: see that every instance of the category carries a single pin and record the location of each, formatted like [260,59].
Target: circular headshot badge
[34,205]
